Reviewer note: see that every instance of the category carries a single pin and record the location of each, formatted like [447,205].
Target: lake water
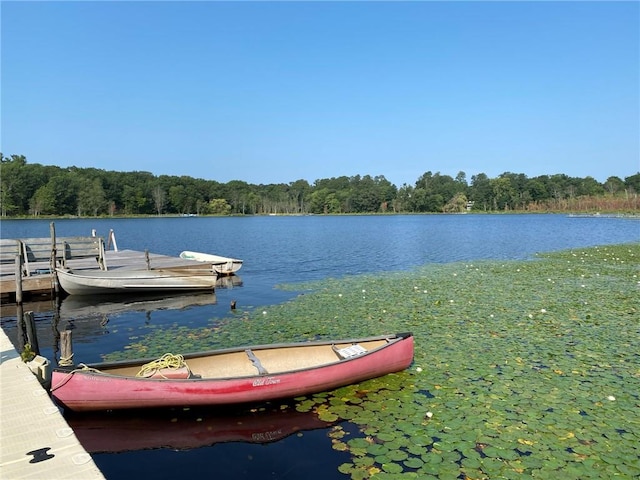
[278,250]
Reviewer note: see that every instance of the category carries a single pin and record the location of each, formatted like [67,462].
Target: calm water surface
[278,250]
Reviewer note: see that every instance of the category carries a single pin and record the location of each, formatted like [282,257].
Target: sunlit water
[281,250]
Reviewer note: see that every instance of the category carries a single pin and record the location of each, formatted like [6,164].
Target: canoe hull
[220,265]
[86,390]
[130,281]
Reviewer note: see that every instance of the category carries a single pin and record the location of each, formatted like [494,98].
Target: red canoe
[230,376]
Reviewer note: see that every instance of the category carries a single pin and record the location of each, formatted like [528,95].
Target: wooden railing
[66,248]
[32,251]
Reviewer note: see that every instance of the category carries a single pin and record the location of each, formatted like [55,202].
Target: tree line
[44,190]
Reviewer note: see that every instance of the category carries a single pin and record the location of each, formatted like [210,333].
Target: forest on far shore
[46,190]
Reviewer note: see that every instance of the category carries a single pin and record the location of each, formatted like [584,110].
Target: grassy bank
[523,369]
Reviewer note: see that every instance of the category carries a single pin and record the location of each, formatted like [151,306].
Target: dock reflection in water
[93,317]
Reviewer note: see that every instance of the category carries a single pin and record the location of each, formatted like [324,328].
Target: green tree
[558,186]
[43,201]
[218,206]
[537,189]
[632,183]
[481,192]
[299,191]
[402,201]
[590,186]
[365,196]
[65,187]
[91,197]
[504,195]
[333,204]
[614,185]
[237,194]
[159,198]
[179,199]
[13,181]
[318,200]
[457,204]
[134,199]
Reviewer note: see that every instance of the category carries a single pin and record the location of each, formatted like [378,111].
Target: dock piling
[32,336]
[18,280]
[52,261]
[66,348]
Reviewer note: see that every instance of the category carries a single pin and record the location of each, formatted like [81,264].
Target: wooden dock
[36,441]
[41,282]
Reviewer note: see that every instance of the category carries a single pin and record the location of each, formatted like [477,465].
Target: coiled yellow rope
[168,360]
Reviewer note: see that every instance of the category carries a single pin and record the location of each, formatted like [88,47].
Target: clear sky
[274,92]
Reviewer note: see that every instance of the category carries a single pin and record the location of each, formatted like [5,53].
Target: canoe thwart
[256,362]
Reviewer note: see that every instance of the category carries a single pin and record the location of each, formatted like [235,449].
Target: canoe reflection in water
[184,429]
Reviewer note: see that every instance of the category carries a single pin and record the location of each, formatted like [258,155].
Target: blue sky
[273,92]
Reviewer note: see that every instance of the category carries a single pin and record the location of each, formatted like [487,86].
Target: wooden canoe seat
[350,351]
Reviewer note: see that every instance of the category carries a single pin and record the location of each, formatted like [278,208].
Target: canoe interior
[236,364]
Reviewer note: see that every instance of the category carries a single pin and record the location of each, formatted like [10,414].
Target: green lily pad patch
[522,369]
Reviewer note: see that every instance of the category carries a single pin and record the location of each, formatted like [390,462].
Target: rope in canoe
[168,360]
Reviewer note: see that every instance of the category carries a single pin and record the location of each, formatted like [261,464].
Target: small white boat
[92,282]
[220,265]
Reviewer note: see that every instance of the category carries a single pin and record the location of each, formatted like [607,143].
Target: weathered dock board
[35,440]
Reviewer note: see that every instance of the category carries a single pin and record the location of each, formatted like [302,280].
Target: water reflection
[183,429]
[86,306]
[92,317]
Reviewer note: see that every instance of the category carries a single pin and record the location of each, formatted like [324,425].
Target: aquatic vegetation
[524,369]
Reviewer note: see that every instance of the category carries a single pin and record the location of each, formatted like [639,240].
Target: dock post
[52,261]
[66,349]
[18,280]
[54,327]
[20,340]
[32,335]
[112,238]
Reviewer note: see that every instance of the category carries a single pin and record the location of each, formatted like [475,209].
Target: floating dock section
[36,442]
